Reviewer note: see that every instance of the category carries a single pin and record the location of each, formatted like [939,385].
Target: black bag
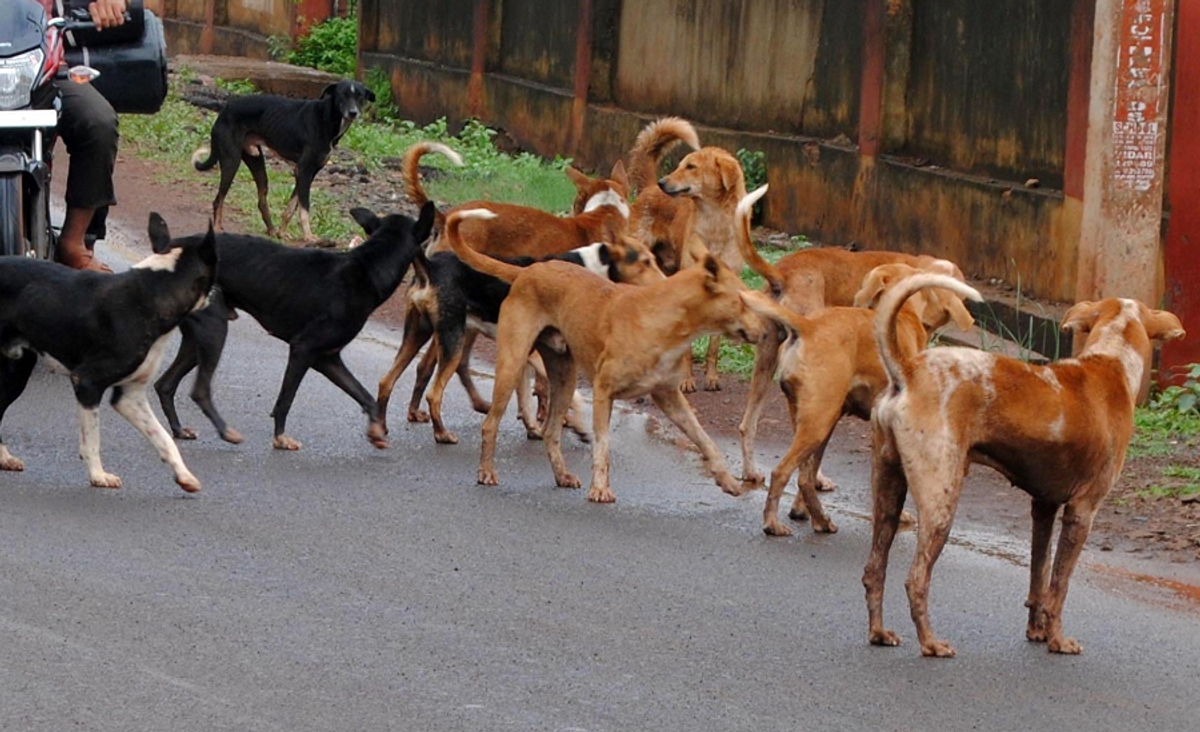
[131,59]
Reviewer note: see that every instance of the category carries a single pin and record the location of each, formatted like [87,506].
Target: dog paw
[185,433]
[487,477]
[533,433]
[798,514]
[232,436]
[377,436]
[825,484]
[752,481]
[884,637]
[688,386]
[712,384]
[567,480]
[105,480]
[908,518]
[729,484]
[418,415]
[937,649]
[602,494]
[283,442]
[774,528]
[11,462]
[1035,634]
[825,527]
[188,482]
[1068,646]
[445,437]
[481,406]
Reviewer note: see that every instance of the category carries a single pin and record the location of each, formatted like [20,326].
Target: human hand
[107,13]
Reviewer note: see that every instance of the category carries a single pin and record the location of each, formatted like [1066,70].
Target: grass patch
[1159,432]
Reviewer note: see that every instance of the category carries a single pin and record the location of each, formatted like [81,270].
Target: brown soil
[1130,523]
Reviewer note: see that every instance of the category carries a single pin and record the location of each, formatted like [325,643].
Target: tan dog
[829,366]
[804,282]
[690,212]
[1058,432]
[521,231]
[628,340]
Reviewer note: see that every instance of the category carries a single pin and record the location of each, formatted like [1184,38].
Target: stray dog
[804,282]
[689,213]
[313,299]
[628,340]
[108,330]
[829,366]
[450,299]
[302,132]
[1058,432]
[521,231]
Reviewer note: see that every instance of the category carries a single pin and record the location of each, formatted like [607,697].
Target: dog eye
[690,166]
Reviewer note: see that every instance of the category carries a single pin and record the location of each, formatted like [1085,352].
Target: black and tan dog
[302,132]
[314,299]
[109,331]
[628,340]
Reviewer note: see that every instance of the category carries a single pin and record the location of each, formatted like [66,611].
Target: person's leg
[88,127]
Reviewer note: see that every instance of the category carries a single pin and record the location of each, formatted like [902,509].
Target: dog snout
[352,113]
[669,189]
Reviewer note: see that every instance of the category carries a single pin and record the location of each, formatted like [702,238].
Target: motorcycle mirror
[82,74]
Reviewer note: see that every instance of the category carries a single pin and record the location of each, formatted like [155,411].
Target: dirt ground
[1130,523]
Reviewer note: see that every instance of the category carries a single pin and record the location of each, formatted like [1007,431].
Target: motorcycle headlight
[17,76]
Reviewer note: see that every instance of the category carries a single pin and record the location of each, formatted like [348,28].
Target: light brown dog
[1058,432]
[829,366]
[628,340]
[804,282]
[690,212]
[522,231]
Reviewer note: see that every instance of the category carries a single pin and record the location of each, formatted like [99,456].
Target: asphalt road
[344,588]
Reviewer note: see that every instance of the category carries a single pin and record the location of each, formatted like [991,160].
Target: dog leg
[1077,520]
[130,402]
[288,211]
[306,170]
[168,383]
[510,362]
[712,378]
[425,369]
[766,359]
[417,332]
[258,169]
[688,384]
[560,377]
[14,376]
[1039,569]
[936,486]
[677,409]
[229,170]
[809,478]
[89,448]
[534,430]
[333,368]
[805,445]
[888,489]
[600,491]
[209,344]
[447,366]
[299,361]
[575,417]
[478,402]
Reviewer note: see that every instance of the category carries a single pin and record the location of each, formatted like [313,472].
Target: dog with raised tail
[1059,432]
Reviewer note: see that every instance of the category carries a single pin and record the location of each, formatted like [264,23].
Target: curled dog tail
[653,142]
[199,162]
[477,260]
[765,269]
[886,338]
[411,173]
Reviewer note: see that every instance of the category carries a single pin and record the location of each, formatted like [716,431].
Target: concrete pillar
[1120,250]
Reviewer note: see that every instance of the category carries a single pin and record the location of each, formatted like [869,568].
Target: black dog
[301,132]
[316,300]
[108,330]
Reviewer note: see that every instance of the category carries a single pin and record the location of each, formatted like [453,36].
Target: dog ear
[1081,317]
[579,179]
[731,172]
[954,307]
[367,219]
[1161,325]
[605,255]
[664,254]
[713,269]
[619,176]
[367,93]
[425,222]
[160,235]
[330,90]
[872,288]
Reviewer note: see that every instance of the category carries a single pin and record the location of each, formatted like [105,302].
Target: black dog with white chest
[108,330]
[303,132]
[315,300]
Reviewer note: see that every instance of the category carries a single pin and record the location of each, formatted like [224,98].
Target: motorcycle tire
[12,216]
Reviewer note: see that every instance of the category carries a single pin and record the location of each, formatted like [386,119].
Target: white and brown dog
[1058,432]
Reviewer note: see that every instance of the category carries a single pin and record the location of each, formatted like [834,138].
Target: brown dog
[1058,432]
[628,340]
[521,231]
[829,366]
[804,282]
[690,212]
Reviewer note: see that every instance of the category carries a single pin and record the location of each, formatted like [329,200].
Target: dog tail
[200,163]
[411,173]
[765,269]
[653,142]
[886,336]
[477,260]
[769,308]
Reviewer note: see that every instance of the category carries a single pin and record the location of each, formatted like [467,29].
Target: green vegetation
[331,45]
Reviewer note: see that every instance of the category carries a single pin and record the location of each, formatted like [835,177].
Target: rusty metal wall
[537,40]
[264,17]
[438,32]
[987,86]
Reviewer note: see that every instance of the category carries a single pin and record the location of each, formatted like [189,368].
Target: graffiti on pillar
[1139,94]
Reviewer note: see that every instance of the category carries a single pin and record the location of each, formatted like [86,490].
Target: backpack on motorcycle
[131,59]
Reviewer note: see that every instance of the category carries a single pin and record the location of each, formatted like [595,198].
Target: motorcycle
[34,52]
